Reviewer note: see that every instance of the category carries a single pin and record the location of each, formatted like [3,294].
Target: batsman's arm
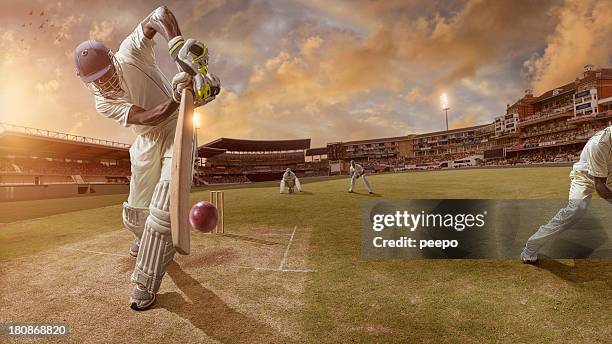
[602,189]
[153,116]
[161,20]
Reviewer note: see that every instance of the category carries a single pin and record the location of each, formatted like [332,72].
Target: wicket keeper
[290,180]
[129,87]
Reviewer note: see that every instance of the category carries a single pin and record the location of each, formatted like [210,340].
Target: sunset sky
[330,70]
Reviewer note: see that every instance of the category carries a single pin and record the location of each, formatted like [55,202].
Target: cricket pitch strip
[233,288]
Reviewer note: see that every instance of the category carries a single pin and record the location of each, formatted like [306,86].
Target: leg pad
[134,219]
[156,248]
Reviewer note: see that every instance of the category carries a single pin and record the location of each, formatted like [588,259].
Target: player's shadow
[587,239]
[298,193]
[584,270]
[366,194]
[212,315]
[304,193]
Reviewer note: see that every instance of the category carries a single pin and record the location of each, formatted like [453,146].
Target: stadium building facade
[449,145]
[554,126]
[245,161]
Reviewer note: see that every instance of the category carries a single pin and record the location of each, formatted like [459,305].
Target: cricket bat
[181,177]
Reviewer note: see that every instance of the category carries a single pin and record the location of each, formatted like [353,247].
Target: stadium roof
[238,145]
[207,152]
[451,131]
[24,141]
[570,87]
[316,151]
[379,140]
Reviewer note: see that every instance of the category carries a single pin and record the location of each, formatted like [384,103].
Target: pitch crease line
[282,263]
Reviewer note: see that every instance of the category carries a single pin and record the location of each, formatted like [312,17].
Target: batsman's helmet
[94,60]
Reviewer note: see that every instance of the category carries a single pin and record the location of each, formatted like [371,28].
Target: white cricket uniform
[355,173]
[595,161]
[145,86]
[289,180]
[151,158]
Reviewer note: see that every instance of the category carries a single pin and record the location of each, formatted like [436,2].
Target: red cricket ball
[203,216]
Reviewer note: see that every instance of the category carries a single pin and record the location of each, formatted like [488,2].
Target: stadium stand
[36,164]
[245,161]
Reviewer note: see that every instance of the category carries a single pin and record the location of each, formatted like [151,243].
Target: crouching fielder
[590,174]
[290,180]
[357,171]
[130,88]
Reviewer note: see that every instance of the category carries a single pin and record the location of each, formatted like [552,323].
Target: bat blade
[181,177]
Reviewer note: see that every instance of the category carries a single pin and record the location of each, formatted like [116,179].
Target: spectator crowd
[54,167]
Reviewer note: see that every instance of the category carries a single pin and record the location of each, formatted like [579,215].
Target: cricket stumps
[217,198]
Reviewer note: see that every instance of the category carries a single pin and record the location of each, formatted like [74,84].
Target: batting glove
[190,55]
[206,88]
[179,82]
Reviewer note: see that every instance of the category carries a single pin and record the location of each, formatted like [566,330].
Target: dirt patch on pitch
[233,288]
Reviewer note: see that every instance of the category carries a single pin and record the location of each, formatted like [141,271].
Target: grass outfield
[289,270]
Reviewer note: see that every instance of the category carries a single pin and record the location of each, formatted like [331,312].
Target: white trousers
[151,159]
[290,184]
[581,191]
[365,181]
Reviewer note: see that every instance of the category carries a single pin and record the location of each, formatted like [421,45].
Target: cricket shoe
[141,299]
[527,258]
[134,247]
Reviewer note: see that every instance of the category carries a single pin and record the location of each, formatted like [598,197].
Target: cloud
[12,51]
[483,87]
[310,45]
[583,35]
[464,121]
[66,26]
[75,127]
[101,31]
[480,34]
[414,95]
[48,88]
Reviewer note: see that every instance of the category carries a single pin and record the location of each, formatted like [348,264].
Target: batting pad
[156,248]
[134,219]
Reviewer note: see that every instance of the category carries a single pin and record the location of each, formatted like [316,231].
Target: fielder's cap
[92,60]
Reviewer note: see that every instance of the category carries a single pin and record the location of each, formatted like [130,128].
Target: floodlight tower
[445,107]
[196,126]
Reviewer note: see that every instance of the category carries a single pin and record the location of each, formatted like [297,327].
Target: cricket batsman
[357,171]
[129,87]
[290,180]
[590,174]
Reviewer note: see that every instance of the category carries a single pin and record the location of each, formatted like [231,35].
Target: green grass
[352,300]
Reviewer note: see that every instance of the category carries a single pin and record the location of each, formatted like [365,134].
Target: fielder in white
[290,180]
[590,174]
[130,88]
[357,171]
